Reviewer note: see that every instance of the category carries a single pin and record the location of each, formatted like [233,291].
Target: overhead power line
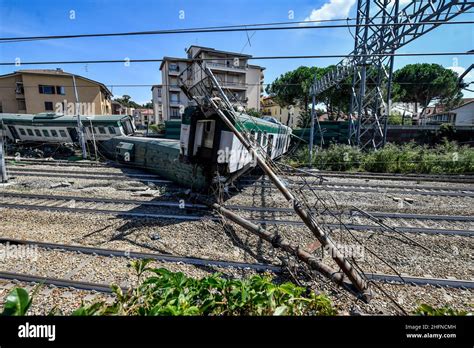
[152,60]
[236,28]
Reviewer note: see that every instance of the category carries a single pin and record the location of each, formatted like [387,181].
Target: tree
[127,101]
[293,88]
[254,113]
[422,83]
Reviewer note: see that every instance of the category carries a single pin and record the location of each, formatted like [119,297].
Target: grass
[446,158]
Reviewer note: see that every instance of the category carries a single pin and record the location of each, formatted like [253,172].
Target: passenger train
[207,153]
[58,128]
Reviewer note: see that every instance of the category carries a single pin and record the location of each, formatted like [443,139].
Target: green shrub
[427,310]
[169,293]
[446,158]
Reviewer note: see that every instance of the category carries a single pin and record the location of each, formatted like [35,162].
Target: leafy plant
[427,310]
[17,303]
[445,158]
[163,292]
[169,293]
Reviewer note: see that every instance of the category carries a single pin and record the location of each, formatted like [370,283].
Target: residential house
[242,82]
[52,90]
[463,115]
[144,117]
[286,115]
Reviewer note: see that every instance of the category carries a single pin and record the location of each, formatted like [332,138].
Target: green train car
[58,128]
[207,152]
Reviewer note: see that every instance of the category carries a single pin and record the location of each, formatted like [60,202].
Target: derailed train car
[207,152]
[47,128]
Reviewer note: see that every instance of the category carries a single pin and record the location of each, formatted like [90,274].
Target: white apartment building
[242,82]
[157,103]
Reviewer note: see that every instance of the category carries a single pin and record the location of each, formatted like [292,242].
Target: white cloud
[331,10]
[460,70]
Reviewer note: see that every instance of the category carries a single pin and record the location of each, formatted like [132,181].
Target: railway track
[59,163]
[193,212]
[87,175]
[449,178]
[423,190]
[378,188]
[142,255]
[384,278]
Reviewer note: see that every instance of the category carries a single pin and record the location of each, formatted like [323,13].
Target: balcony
[226,67]
[174,87]
[233,85]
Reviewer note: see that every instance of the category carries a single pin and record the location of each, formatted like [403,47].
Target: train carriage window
[54,133]
[259,138]
[22,131]
[38,133]
[102,130]
[63,133]
[270,147]
[45,132]
[252,136]
[112,130]
[265,138]
[30,132]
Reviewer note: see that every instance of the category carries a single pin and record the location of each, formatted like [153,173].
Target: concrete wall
[8,97]
[465,115]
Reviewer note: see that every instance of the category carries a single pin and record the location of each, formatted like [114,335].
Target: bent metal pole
[278,242]
[356,279]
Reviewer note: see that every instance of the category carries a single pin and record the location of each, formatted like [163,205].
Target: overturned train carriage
[207,152]
[58,128]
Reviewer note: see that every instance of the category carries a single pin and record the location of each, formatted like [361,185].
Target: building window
[48,106]
[43,89]
[45,133]
[174,97]
[21,104]
[63,133]
[19,88]
[30,132]
[38,133]
[60,90]
[174,67]
[174,112]
[22,131]
[54,133]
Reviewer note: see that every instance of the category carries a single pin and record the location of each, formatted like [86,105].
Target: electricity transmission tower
[382,28]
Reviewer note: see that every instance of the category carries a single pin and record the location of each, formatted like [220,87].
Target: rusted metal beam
[336,276]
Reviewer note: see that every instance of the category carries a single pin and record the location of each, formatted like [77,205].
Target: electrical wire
[256,27]
[413,54]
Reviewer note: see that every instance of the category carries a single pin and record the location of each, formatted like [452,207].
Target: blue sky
[23,18]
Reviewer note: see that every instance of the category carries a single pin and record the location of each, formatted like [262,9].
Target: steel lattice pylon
[382,28]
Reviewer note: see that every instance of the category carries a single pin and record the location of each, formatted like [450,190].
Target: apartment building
[157,103]
[52,90]
[144,117]
[242,82]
